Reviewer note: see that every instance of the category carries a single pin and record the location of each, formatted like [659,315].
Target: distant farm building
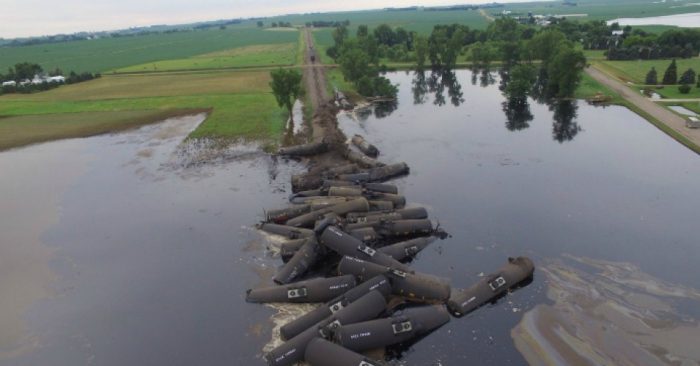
[9,83]
[38,79]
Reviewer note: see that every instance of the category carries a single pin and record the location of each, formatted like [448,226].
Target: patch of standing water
[295,124]
[682,110]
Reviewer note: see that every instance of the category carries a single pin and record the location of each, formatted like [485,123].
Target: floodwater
[687,20]
[137,249]
[599,184]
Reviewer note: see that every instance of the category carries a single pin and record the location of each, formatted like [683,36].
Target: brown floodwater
[136,248]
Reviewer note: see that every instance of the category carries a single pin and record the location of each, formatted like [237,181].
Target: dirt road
[315,84]
[662,114]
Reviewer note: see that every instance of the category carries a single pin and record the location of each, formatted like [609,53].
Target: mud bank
[606,313]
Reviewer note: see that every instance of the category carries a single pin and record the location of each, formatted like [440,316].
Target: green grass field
[240,104]
[672,92]
[102,55]
[636,71]
[284,54]
[589,87]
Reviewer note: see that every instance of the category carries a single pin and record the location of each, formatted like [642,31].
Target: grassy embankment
[239,101]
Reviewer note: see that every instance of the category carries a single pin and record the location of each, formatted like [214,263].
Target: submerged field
[240,105]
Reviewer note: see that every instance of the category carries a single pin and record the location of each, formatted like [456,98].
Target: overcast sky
[20,18]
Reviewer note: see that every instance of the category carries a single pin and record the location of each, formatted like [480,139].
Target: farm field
[107,54]
[636,70]
[235,100]
[283,54]
[413,20]
[23,130]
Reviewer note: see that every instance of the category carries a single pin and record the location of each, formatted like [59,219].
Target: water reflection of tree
[377,109]
[438,81]
[517,109]
[384,109]
[483,76]
[564,127]
[419,88]
[517,113]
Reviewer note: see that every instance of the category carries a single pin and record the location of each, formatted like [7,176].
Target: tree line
[328,23]
[359,60]
[670,77]
[24,72]
[632,43]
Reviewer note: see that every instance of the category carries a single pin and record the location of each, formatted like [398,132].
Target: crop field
[154,84]
[106,54]
[413,20]
[240,105]
[283,54]
[636,70]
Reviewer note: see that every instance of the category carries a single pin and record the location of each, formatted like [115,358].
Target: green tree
[652,78]
[340,34]
[521,79]
[370,45]
[260,24]
[671,74]
[453,49]
[362,31]
[385,35]
[354,64]
[544,45]
[688,77]
[564,72]
[481,54]
[684,89]
[506,32]
[286,86]
[421,49]
[26,70]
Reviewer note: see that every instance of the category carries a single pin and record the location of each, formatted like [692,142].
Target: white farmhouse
[9,83]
